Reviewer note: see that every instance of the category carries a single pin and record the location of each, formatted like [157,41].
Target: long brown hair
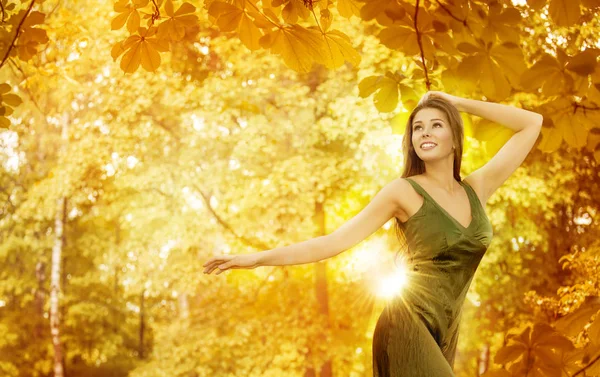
[413,165]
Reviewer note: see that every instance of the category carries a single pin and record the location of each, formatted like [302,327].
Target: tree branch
[582,370]
[427,82]
[12,44]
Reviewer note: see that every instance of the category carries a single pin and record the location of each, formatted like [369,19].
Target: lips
[428,145]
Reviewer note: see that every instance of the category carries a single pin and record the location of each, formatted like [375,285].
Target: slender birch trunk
[55,288]
[55,275]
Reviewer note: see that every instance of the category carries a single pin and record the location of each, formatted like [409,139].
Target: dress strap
[417,187]
[471,191]
[471,195]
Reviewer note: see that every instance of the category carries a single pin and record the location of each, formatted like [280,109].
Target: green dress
[417,332]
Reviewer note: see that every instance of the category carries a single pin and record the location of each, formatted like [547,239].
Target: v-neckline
[462,227]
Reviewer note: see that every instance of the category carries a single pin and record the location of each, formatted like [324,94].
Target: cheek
[446,136]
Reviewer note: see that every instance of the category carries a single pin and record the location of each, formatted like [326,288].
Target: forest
[139,138]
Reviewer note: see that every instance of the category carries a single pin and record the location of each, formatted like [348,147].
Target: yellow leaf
[174,27]
[511,61]
[409,96]
[404,38]
[509,353]
[536,4]
[260,20]
[169,8]
[171,30]
[564,12]
[397,37]
[468,48]
[249,33]
[185,8]
[187,20]
[368,85]
[4,122]
[547,74]
[494,135]
[12,99]
[142,48]
[573,131]
[493,82]
[325,20]
[37,35]
[161,45]
[119,21]
[584,63]
[150,58]
[228,17]
[551,139]
[546,356]
[131,60]
[117,50]
[372,9]
[293,10]
[386,99]
[469,69]
[4,88]
[34,18]
[399,122]
[349,8]
[121,6]
[134,22]
[298,46]
[339,49]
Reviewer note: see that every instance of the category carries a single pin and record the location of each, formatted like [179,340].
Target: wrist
[461,103]
[261,257]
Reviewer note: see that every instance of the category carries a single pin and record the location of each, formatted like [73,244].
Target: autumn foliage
[139,137]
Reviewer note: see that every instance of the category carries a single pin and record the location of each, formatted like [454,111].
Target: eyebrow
[419,121]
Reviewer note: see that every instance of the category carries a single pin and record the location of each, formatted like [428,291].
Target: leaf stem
[12,44]
[427,82]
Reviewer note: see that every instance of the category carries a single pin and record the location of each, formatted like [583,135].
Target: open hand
[225,262]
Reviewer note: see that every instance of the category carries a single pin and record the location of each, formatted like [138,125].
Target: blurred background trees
[142,137]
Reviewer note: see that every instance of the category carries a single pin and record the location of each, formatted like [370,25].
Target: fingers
[212,266]
[220,262]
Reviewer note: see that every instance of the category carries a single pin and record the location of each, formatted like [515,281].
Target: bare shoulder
[404,198]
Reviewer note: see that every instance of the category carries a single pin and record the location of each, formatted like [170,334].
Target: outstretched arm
[382,207]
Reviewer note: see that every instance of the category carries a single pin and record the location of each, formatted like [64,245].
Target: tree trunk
[55,287]
[142,326]
[321,291]
[484,360]
[55,274]
[184,306]
[40,298]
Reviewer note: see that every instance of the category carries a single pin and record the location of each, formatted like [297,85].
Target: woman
[444,223]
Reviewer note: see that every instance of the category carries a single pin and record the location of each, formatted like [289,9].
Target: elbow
[540,120]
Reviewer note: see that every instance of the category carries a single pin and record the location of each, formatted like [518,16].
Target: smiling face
[431,125]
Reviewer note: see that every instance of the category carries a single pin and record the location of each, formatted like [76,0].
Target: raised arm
[384,205]
[527,126]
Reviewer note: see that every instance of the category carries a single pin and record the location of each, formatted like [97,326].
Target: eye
[437,123]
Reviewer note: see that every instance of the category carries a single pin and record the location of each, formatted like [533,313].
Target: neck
[441,174]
